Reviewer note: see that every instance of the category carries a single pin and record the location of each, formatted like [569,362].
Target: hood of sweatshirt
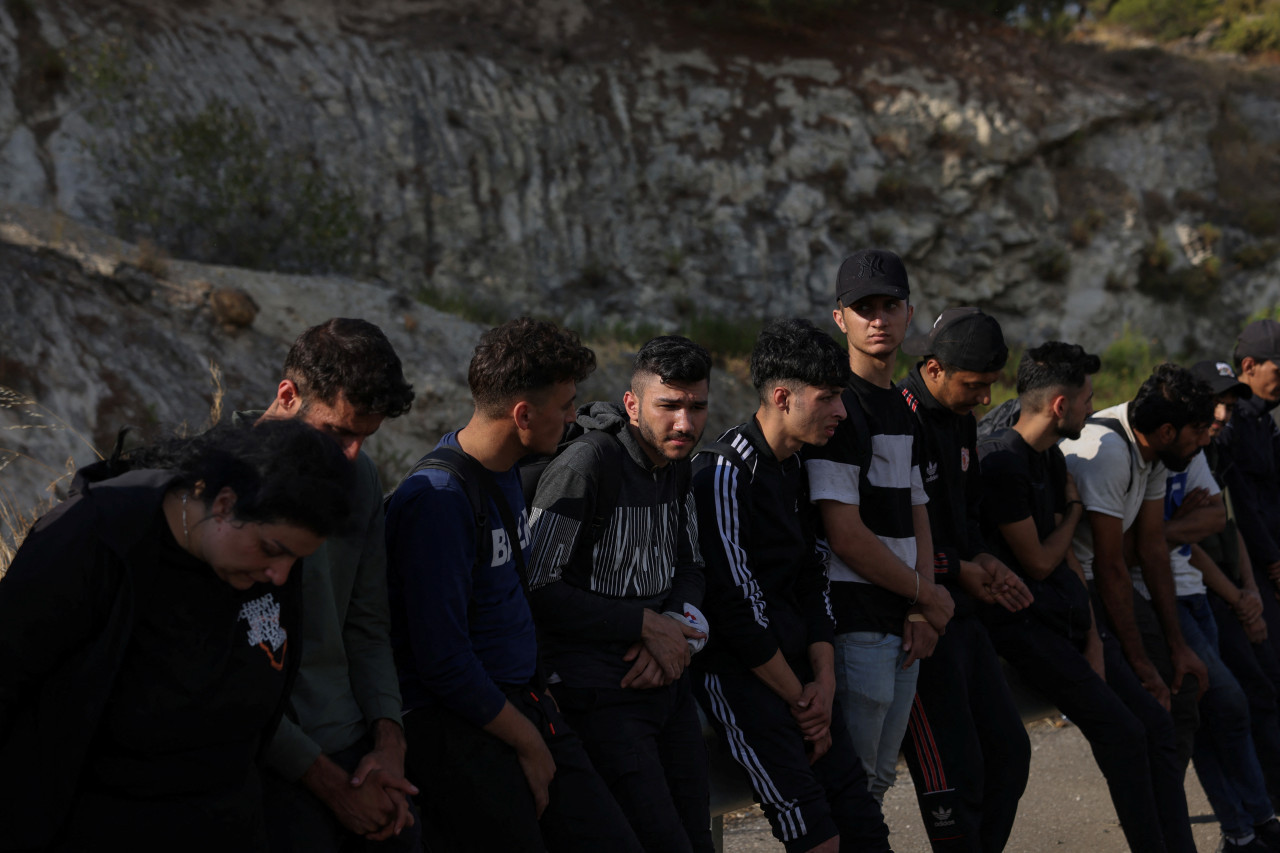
[612,418]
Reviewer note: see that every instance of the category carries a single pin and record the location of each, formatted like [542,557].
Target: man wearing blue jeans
[867,485]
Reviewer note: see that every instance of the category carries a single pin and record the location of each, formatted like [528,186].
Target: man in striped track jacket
[766,678]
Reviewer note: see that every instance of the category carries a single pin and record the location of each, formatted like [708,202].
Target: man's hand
[936,606]
[1073,493]
[989,580]
[384,766]
[1191,502]
[668,641]
[1273,572]
[1185,662]
[645,672]
[812,711]
[1152,682]
[918,640]
[539,769]
[366,809]
[818,748]
[1248,606]
[1256,630]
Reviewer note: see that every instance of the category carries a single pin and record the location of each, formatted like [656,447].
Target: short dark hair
[281,470]
[672,358]
[522,358]
[353,358]
[797,352]
[1171,395]
[1051,366]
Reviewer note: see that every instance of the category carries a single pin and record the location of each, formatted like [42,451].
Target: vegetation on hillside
[1240,26]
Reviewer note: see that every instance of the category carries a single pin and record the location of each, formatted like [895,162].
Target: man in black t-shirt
[967,748]
[1029,516]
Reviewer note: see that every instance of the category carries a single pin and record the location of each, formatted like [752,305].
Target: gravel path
[1065,808]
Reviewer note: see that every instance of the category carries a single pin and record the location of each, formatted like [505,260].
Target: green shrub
[1163,19]
[1156,256]
[1252,33]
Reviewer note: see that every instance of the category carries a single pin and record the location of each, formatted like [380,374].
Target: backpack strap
[610,454]
[1115,426]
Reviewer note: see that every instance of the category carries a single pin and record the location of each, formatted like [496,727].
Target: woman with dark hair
[149,633]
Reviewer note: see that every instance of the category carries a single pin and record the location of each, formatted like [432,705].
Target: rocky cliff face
[608,163]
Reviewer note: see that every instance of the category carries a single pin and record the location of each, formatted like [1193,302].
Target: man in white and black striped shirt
[605,583]
[866,482]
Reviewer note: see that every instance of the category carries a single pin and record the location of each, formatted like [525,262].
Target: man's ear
[288,400]
[224,504]
[631,402]
[1058,405]
[522,414]
[1247,364]
[933,368]
[781,398]
[1167,434]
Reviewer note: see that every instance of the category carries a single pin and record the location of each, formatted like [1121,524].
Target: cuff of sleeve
[291,752]
[756,651]
[946,564]
[479,709]
[382,708]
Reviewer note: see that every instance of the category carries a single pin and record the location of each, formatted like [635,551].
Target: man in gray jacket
[335,776]
[615,578]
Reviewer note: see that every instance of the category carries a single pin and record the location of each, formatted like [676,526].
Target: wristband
[916,617]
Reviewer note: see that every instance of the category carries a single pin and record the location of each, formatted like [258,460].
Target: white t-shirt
[1187,579]
[1112,477]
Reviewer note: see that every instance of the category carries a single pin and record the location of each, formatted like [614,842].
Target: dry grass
[16,517]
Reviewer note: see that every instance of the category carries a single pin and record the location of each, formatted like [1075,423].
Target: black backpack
[609,454]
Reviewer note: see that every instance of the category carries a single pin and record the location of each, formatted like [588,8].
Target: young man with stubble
[499,768]
[615,557]
[767,676]
[871,500]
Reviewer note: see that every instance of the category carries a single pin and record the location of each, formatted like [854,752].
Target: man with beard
[1030,513]
[1119,465]
[615,577]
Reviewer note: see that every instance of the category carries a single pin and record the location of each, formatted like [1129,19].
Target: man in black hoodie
[767,677]
[615,587]
[967,748]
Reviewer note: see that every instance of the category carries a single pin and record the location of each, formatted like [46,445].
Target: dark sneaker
[1255,845]
[1269,834]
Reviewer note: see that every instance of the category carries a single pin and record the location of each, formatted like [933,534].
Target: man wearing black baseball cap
[866,482]
[963,709]
[1250,445]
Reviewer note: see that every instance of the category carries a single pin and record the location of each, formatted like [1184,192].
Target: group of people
[237,642]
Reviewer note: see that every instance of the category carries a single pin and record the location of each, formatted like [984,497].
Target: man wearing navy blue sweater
[499,768]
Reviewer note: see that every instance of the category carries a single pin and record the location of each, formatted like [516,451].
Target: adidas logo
[931,472]
[942,817]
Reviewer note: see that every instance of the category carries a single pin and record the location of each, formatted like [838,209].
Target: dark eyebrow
[283,548]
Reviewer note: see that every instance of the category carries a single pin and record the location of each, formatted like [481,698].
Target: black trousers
[475,798]
[648,747]
[1258,671]
[966,745]
[1131,736]
[805,804]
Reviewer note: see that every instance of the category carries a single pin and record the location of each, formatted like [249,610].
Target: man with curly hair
[500,770]
[336,764]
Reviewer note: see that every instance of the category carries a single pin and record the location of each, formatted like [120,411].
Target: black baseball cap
[1261,340]
[871,272]
[964,338]
[1220,378]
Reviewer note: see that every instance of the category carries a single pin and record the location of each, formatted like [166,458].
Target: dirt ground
[1065,808]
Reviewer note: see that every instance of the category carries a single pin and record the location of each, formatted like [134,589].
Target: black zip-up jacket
[953,480]
[1251,444]
[588,597]
[767,587]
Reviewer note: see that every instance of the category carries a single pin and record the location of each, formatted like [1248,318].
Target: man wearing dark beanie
[967,749]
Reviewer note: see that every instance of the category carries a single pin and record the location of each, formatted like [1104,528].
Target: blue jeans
[1225,760]
[875,694]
